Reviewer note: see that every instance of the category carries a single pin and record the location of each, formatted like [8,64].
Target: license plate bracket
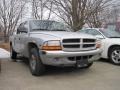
[81,62]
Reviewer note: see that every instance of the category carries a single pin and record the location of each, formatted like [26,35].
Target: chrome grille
[88,40]
[88,45]
[71,40]
[72,46]
[77,44]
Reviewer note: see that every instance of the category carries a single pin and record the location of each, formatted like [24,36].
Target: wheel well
[112,47]
[31,45]
[10,43]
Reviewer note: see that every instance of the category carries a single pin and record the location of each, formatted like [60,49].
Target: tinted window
[23,28]
[19,28]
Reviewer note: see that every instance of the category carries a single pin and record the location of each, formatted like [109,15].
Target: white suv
[110,40]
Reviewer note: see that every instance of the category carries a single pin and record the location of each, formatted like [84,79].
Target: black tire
[114,58]
[36,66]
[13,54]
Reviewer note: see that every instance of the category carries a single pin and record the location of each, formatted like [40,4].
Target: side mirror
[99,36]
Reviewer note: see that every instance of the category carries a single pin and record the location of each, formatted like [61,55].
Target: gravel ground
[101,76]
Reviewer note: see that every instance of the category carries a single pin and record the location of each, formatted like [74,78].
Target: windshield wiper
[39,29]
[58,30]
[114,37]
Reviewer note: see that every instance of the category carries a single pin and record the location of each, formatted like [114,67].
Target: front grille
[71,40]
[88,40]
[88,45]
[78,44]
[71,46]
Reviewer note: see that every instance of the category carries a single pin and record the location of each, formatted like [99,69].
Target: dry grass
[5,46]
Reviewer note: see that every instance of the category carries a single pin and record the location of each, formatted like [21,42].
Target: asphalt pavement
[101,76]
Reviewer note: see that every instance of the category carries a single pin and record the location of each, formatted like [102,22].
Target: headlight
[98,44]
[52,45]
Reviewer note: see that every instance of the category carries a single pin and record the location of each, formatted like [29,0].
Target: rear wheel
[114,55]
[13,54]
[36,66]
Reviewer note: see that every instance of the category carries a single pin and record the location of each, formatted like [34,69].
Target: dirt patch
[5,46]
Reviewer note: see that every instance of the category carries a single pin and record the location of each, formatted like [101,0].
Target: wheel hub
[116,56]
[33,62]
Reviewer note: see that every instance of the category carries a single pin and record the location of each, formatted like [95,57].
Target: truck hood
[59,35]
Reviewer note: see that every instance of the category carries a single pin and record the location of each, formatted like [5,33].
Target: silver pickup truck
[47,42]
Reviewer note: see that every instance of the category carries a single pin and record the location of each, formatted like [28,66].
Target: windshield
[40,25]
[110,33]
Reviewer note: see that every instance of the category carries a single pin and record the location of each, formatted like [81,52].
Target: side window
[19,28]
[25,27]
[22,28]
[94,32]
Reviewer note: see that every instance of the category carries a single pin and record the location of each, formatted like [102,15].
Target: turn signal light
[98,45]
[51,48]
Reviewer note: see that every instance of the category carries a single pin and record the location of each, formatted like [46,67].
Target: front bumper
[60,58]
[68,54]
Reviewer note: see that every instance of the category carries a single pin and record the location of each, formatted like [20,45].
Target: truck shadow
[105,61]
[53,70]
[65,71]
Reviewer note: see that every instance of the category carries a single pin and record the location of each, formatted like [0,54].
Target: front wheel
[36,66]
[114,55]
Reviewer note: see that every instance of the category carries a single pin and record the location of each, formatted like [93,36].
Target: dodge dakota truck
[46,42]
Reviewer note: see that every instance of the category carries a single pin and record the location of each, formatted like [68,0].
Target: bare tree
[97,9]
[39,9]
[112,14]
[10,12]
[76,13]
[72,12]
